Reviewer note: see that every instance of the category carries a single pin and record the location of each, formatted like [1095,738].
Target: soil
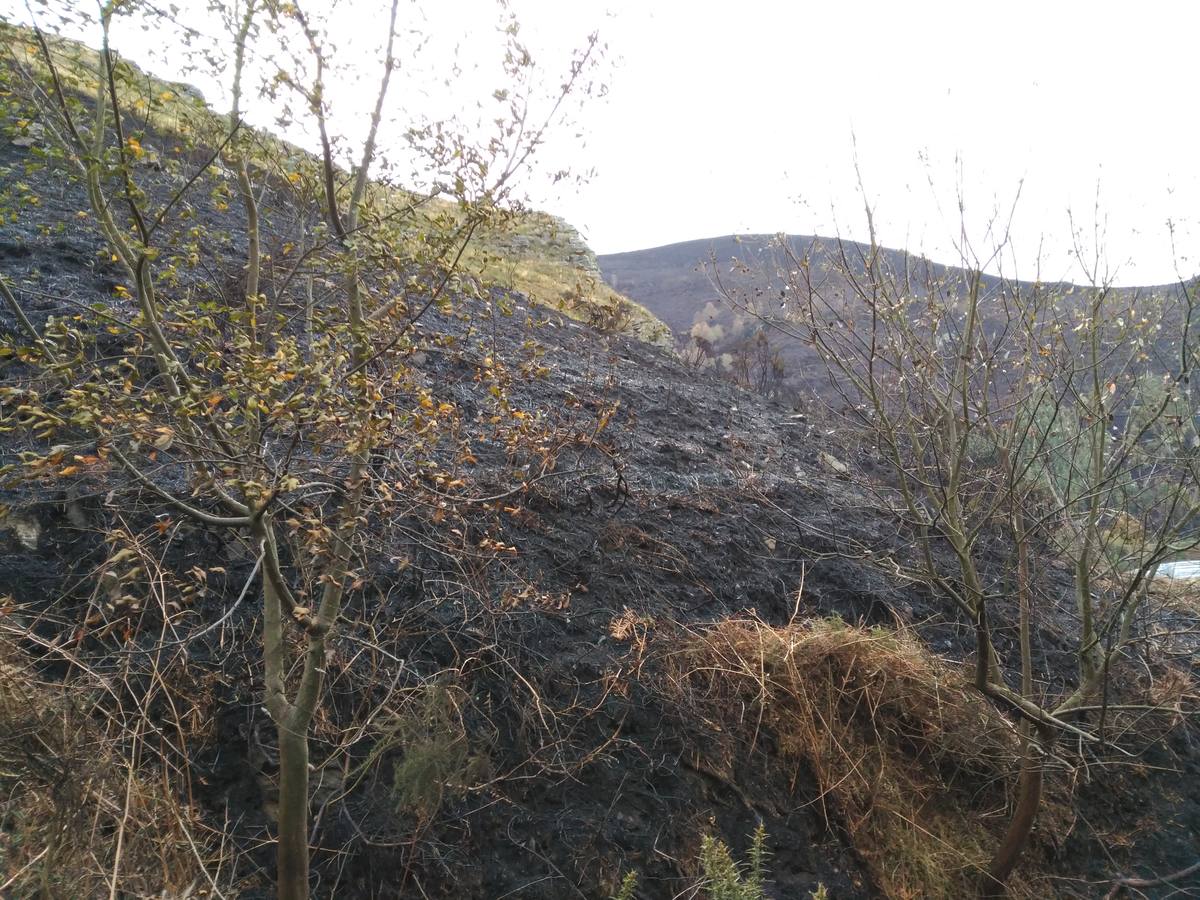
[700,501]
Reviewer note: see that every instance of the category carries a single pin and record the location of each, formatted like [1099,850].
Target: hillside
[537,254]
[598,606]
[675,283]
[672,277]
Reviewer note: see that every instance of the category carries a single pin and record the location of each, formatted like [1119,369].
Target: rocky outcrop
[552,238]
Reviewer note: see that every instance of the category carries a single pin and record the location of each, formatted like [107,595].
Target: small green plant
[628,888]
[724,878]
[438,759]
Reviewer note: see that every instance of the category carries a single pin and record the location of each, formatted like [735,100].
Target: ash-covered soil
[696,502]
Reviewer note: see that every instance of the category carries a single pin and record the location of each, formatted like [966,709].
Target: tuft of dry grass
[906,756]
[78,818]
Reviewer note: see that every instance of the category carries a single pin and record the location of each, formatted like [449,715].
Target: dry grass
[552,280]
[1181,594]
[77,817]
[903,752]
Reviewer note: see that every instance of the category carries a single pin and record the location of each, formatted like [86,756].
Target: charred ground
[524,632]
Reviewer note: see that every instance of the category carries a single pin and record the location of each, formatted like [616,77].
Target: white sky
[738,117]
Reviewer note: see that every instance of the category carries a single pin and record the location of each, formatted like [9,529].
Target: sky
[760,117]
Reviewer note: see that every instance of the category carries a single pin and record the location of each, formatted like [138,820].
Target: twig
[1122,883]
[25,868]
[17,311]
[120,847]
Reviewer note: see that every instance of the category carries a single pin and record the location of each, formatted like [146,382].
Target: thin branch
[198,514]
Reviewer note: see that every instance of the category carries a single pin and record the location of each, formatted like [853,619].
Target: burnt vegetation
[337,562]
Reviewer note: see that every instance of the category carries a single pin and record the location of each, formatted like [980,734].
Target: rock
[24,527]
[32,135]
[77,514]
[835,465]
[150,158]
[189,92]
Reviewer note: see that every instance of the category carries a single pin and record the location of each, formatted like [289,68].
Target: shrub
[724,878]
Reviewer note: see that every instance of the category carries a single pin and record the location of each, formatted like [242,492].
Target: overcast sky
[739,117]
[744,117]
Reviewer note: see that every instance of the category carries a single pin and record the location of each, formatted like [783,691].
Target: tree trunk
[1033,738]
[1029,799]
[293,813]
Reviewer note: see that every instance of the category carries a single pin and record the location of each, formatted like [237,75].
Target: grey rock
[33,135]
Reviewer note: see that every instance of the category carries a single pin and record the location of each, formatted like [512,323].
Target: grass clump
[901,750]
[78,816]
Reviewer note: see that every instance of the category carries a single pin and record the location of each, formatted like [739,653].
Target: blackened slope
[709,503]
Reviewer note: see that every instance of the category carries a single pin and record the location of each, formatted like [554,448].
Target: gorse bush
[436,756]
[724,879]
[628,888]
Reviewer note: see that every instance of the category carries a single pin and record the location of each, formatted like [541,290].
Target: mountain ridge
[675,282]
[628,269]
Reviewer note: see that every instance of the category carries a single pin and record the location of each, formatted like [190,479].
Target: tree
[269,409]
[1048,416]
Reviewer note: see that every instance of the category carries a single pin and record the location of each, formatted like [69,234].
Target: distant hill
[674,282]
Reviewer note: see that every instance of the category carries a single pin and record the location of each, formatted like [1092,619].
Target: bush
[724,878]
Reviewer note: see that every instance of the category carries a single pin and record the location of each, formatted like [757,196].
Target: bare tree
[1052,417]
